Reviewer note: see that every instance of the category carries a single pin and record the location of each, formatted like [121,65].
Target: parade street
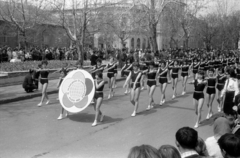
[29,131]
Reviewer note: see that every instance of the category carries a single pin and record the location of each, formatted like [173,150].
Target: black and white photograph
[119,78]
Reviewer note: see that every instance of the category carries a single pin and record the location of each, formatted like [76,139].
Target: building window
[138,43]
[132,43]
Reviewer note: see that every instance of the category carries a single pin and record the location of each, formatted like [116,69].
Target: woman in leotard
[185,68]
[198,95]
[175,69]
[64,71]
[115,73]
[221,78]
[135,75]
[110,74]
[99,86]
[211,91]
[44,81]
[162,75]
[170,64]
[202,65]
[126,70]
[143,67]
[99,68]
[195,66]
[151,83]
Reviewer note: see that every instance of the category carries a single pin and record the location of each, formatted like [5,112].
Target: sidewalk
[16,93]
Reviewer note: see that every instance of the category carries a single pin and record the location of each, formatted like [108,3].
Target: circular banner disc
[76,91]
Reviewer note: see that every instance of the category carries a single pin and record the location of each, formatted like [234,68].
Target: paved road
[29,131]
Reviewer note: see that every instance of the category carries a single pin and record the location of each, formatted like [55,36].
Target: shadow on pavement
[212,119]
[145,113]
[89,118]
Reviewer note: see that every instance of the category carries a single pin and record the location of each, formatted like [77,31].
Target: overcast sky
[227,6]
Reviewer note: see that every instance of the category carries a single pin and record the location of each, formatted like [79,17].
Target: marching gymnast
[195,67]
[162,75]
[99,86]
[151,83]
[175,69]
[143,67]
[135,75]
[98,68]
[44,81]
[185,68]
[110,74]
[221,79]
[125,71]
[211,91]
[115,73]
[63,72]
[198,95]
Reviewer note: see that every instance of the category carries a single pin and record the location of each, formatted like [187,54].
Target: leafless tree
[23,14]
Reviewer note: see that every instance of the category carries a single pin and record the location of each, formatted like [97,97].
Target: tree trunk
[153,40]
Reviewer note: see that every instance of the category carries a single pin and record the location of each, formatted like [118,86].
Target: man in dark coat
[28,85]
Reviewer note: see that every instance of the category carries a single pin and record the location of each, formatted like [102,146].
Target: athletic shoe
[126,92]
[109,96]
[208,116]
[142,88]
[101,118]
[173,97]
[163,101]
[183,93]
[94,123]
[148,108]
[60,117]
[133,114]
[196,126]
[47,102]
[40,104]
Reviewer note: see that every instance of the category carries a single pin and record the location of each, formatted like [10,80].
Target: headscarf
[221,126]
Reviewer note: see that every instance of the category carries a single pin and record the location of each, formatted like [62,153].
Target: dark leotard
[151,76]
[195,67]
[44,76]
[175,72]
[163,77]
[134,77]
[99,91]
[185,69]
[110,73]
[211,86]
[221,82]
[199,87]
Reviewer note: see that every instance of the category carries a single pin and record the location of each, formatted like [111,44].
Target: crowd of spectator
[225,143]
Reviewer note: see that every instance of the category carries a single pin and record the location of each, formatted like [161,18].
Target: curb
[34,95]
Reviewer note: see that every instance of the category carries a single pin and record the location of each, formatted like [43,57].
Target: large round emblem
[76,91]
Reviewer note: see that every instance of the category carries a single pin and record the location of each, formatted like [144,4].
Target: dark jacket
[27,81]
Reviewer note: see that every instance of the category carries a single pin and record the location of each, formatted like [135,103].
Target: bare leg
[97,110]
[132,95]
[152,89]
[137,93]
[199,109]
